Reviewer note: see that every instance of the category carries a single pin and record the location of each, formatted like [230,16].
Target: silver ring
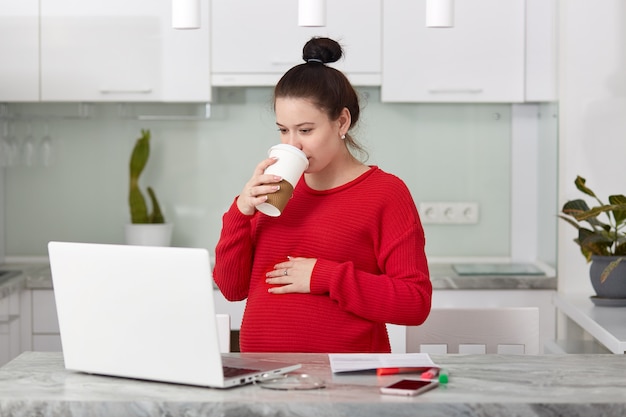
[285,272]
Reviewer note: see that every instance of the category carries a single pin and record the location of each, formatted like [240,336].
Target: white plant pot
[153,234]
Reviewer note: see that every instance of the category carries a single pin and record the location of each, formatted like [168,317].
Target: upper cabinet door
[541,50]
[481,59]
[19,50]
[121,50]
[254,42]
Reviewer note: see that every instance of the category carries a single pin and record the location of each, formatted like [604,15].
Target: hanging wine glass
[8,146]
[4,145]
[46,154]
[28,147]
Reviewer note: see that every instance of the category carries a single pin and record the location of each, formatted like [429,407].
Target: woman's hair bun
[324,50]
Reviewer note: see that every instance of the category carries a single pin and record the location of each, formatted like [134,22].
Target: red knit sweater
[371,268]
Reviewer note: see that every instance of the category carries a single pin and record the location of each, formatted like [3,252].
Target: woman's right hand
[257,188]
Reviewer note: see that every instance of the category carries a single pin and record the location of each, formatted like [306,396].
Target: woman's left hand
[291,276]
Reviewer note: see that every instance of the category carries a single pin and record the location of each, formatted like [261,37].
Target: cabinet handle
[7,319]
[123,112]
[455,90]
[112,91]
[173,118]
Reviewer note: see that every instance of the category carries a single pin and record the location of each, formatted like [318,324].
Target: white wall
[592,128]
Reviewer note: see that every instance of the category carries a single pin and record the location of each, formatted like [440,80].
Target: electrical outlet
[449,212]
[429,212]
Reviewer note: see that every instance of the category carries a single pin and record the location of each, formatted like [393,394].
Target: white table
[606,324]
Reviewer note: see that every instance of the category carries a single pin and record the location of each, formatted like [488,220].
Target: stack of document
[352,362]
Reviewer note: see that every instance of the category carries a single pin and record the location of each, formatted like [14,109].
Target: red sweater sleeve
[233,254]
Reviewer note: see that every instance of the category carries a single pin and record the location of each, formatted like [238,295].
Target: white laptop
[144,312]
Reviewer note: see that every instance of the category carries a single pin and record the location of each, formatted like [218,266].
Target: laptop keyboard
[229,371]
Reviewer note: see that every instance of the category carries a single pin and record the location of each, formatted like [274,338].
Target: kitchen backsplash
[75,187]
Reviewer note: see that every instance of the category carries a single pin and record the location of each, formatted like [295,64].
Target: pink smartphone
[409,387]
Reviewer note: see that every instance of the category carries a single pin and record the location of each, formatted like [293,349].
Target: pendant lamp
[186,14]
[312,13]
[439,13]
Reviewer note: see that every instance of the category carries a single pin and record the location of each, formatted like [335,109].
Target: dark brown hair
[327,87]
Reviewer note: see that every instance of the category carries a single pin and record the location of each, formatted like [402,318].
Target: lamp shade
[440,13]
[311,12]
[186,14]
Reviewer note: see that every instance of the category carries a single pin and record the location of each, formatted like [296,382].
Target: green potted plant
[146,227]
[602,240]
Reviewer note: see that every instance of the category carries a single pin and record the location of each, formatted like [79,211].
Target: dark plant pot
[615,285]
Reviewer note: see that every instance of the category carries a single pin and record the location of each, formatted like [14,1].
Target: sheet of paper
[350,362]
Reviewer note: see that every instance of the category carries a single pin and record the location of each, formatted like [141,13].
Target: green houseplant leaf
[580,185]
[618,202]
[607,271]
[136,200]
[598,237]
[156,216]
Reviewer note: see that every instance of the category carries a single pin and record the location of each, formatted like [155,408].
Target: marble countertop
[36,383]
[443,277]
[28,275]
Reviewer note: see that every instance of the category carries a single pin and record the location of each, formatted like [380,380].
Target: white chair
[511,330]
[223,331]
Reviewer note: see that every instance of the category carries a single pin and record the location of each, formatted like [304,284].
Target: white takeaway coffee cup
[290,165]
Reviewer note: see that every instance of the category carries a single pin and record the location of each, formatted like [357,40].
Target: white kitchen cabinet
[39,321]
[542,299]
[9,327]
[233,308]
[481,59]
[541,50]
[255,42]
[19,50]
[121,50]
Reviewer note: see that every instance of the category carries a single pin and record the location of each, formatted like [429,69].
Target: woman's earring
[343,136]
